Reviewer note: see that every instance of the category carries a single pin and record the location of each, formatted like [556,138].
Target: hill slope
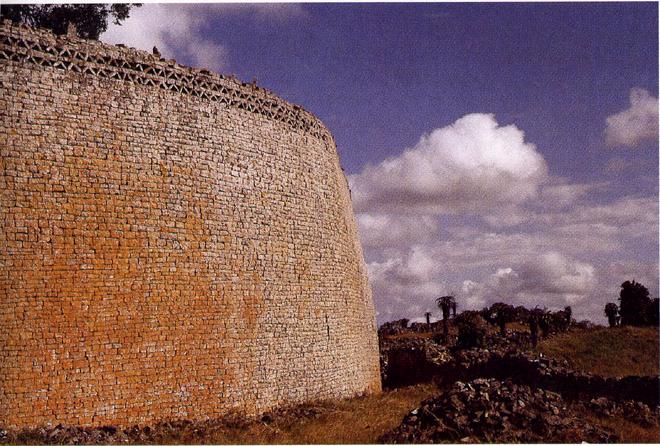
[608,352]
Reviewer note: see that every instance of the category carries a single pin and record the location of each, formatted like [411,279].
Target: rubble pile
[488,410]
[407,361]
[635,411]
[63,434]
[393,328]
[165,432]
[557,375]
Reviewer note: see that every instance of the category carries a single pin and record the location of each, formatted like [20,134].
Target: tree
[486,314]
[653,314]
[533,322]
[446,304]
[542,319]
[560,320]
[611,311]
[633,303]
[521,314]
[502,314]
[569,314]
[91,20]
[471,329]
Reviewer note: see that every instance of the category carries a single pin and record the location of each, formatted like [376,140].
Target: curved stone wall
[174,244]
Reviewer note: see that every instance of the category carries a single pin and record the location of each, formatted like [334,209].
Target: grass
[517,326]
[409,336]
[358,420]
[608,352]
[627,431]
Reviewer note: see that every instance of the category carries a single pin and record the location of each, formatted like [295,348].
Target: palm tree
[447,304]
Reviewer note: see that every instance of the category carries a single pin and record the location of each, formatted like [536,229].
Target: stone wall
[174,244]
[406,361]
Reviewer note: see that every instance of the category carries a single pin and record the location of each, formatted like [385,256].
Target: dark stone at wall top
[41,47]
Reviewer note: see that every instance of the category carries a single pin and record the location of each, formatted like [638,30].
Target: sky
[496,152]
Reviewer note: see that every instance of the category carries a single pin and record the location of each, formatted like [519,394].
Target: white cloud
[405,286]
[487,248]
[415,268]
[563,193]
[635,125]
[610,278]
[266,12]
[173,29]
[385,230]
[551,280]
[499,210]
[632,217]
[472,165]
[470,209]
[556,277]
[578,245]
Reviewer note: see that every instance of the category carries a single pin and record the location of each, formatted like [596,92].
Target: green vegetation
[618,351]
[91,20]
[472,329]
[635,307]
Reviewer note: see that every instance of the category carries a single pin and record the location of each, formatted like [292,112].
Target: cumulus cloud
[405,286]
[635,125]
[578,246]
[563,193]
[556,277]
[385,230]
[610,277]
[173,29]
[551,280]
[470,165]
[629,217]
[417,267]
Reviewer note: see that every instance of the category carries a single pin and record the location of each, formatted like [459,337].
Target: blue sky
[496,151]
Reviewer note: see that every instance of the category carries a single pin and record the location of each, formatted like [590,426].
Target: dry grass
[352,421]
[616,351]
[517,326]
[426,335]
[362,420]
[627,431]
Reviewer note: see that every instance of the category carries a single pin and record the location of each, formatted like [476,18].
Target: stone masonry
[174,244]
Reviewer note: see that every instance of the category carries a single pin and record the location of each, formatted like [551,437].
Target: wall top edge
[106,52]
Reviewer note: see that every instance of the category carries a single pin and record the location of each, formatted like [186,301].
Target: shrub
[471,329]
[612,311]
